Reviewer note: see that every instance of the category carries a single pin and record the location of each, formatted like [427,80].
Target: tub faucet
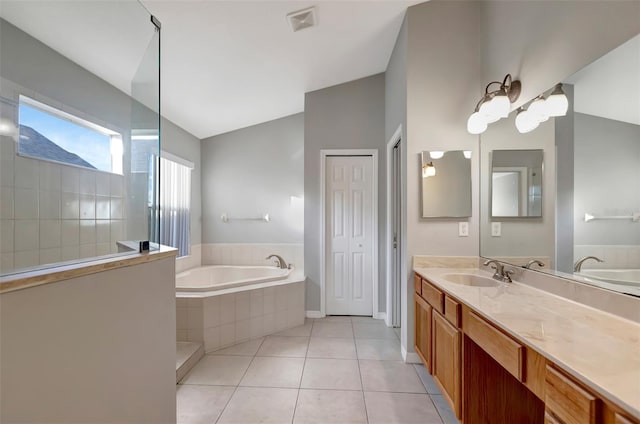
[578,266]
[534,261]
[281,262]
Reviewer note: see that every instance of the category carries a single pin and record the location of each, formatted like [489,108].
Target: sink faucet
[534,261]
[578,266]
[500,274]
[281,262]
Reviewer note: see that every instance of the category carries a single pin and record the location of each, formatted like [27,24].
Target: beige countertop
[599,349]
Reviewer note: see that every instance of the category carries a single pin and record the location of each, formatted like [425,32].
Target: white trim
[397,136]
[177,159]
[409,357]
[314,314]
[323,158]
[382,316]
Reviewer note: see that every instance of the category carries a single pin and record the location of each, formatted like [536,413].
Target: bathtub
[219,277]
[615,276]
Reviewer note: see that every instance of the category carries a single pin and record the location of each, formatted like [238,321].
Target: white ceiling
[225,64]
[610,86]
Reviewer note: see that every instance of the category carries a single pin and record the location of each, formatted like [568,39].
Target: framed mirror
[516,183]
[446,184]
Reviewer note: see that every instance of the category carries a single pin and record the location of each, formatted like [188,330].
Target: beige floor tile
[286,346]
[301,330]
[241,349]
[274,372]
[335,319]
[331,347]
[373,331]
[448,417]
[380,349]
[427,380]
[389,376]
[218,370]
[201,404]
[260,405]
[330,406]
[338,374]
[401,408]
[326,329]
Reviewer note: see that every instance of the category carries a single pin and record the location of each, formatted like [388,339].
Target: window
[51,134]
[175,202]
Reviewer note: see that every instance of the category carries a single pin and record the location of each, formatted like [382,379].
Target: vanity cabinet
[423,313]
[446,360]
[567,402]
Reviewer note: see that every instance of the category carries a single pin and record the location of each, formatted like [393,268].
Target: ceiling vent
[302,19]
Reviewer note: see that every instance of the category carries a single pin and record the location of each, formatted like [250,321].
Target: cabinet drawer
[417,284]
[434,296]
[568,401]
[452,311]
[507,352]
[550,419]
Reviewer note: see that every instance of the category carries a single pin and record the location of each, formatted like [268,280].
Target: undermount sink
[470,280]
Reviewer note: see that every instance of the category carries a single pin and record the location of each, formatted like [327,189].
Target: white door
[349,235]
[396,212]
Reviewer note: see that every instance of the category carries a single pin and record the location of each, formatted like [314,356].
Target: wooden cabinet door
[423,313]
[446,360]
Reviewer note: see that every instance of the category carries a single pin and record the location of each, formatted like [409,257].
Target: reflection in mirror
[594,190]
[516,183]
[446,184]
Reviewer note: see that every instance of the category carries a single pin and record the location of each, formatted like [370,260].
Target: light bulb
[467,154]
[538,109]
[557,102]
[500,104]
[526,122]
[476,124]
[436,154]
[428,170]
[487,111]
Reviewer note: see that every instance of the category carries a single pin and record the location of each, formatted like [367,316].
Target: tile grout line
[364,401]
[239,381]
[304,364]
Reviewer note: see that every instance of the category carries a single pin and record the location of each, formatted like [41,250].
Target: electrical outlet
[496,229]
[463,229]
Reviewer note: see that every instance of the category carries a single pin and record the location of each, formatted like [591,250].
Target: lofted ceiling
[610,86]
[225,64]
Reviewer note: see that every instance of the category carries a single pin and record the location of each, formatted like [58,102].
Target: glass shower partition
[79,126]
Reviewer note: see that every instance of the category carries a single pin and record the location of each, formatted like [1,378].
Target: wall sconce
[494,104]
[428,170]
[542,109]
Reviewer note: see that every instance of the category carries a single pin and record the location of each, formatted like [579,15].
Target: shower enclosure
[79,128]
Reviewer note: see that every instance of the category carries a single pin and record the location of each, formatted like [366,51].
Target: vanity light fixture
[436,154]
[494,105]
[467,154]
[428,170]
[542,109]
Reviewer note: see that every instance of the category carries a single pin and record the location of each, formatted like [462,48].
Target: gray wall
[607,180]
[181,143]
[564,138]
[345,116]
[252,171]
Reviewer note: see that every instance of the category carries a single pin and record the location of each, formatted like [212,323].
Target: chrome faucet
[500,274]
[280,261]
[578,265]
[534,261]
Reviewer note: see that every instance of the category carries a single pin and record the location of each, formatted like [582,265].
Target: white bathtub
[219,277]
[616,276]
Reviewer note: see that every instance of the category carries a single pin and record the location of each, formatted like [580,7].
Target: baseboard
[410,357]
[380,315]
[314,314]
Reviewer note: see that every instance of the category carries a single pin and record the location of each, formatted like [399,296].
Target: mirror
[516,183]
[591,199]
[446,184]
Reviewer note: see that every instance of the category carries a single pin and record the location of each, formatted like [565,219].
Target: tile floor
[331,370]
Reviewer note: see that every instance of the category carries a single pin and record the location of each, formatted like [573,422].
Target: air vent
[302,19]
